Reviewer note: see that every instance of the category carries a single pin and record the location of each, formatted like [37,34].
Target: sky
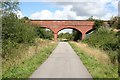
[68,9]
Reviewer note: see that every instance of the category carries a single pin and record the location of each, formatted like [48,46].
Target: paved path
[62,63]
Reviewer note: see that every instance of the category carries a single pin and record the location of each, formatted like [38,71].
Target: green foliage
[66,36]
[97,69]
[115,22]
[118,34]
[98,23]
[15,32]
[91,18]
[9,6]
[49,34]
[43,33]
[25,65]
[17,35]
[76,35]
[25,19]
[106,40]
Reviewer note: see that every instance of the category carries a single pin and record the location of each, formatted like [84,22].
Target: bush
[118,34]
[106,40]
[98,23]
[115,22]
[14,32]
[43,33]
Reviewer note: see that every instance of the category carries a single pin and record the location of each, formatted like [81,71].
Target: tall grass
[25,59]
[94,64]
[105,39]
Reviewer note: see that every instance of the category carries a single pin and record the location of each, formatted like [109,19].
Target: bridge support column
[83,36]
[55,36]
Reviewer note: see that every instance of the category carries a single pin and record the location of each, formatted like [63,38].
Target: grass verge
[33,57]
[96,68]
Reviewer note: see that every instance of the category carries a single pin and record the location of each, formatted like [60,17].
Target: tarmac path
[62,63]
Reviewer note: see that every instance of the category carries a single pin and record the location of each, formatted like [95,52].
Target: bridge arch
[47,27]
[69,27]
[62,28]
[56,25]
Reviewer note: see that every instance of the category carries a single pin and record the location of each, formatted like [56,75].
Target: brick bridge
[57,25]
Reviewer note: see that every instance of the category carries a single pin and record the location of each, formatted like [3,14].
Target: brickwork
[56,25]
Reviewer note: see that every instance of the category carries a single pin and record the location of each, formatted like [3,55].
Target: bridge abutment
[83,36]
[55,36]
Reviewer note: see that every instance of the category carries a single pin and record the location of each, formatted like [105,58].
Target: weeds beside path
[97,63]
[24,63]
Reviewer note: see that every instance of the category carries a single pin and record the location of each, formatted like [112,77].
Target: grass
[33,57]
[105,39]
[96,68]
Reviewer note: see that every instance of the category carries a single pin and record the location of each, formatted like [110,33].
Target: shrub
[98,23]
[106,40]
[14,32]
[43,33]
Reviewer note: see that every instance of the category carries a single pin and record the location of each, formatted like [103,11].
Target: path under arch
[62,63]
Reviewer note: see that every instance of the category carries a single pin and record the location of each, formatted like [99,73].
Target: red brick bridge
[57,25]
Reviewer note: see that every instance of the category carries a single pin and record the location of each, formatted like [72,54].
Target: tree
[66,36]
[15,30]
[76,35]
[98,24]
[43,33]
[115,22]
[49,35]
[91,18]
[8,7]
[25,19]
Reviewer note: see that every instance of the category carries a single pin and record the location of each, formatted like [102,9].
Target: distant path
[62,63]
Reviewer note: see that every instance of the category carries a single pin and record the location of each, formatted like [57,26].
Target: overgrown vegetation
[65,36]
[43,33]
[16,31]
[105,38]
[20,45]
[74,36]
[27,59]
[96,68]
[115,22]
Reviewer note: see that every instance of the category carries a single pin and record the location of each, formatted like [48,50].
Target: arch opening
[69,34]
[45,33]
[89,32]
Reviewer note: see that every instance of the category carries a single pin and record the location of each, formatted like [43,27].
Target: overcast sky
[68,9]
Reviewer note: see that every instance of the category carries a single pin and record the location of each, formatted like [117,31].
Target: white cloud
[44,14]
[19,14]
[80,10]
[65,14]
[89,8]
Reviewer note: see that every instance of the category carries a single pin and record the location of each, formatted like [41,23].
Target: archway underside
[82,30]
